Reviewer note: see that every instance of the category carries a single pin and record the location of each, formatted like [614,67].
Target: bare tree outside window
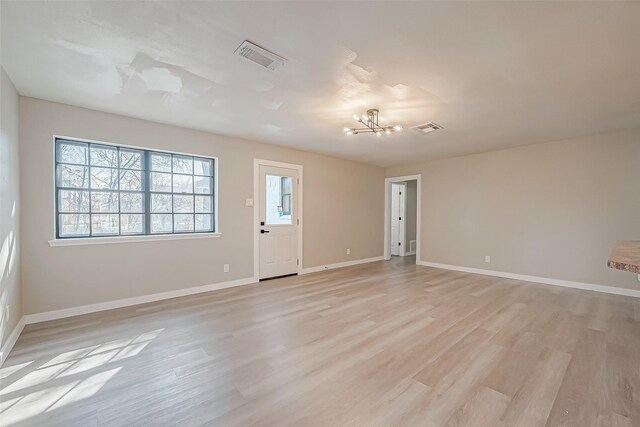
[108,190]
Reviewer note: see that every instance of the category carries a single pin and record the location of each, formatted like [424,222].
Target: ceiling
[494,75]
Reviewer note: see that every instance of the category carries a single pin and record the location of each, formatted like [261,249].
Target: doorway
[402,216]
[278,219]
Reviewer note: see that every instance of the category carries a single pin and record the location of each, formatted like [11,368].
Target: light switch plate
[249,202]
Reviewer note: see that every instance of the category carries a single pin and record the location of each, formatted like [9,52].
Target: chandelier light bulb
[398,128]
[356,118]
[379,133]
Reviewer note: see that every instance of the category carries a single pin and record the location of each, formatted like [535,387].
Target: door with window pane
[278,221]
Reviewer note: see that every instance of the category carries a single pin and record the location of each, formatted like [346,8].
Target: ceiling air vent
[427,127]
[259,55]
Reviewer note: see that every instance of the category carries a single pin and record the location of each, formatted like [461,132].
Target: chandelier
[370,121]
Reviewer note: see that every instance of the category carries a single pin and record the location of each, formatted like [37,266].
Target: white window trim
[130,239]
[70,241]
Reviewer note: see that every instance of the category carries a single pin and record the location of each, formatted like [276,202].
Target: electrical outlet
[487,259]
[348,251]
[225,268]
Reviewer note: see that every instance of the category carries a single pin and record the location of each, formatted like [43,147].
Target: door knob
[263,231]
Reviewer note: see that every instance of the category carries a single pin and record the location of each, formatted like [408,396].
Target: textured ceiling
[495,75]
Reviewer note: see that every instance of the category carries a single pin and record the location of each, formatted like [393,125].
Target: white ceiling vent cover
[259,55]
[427,127]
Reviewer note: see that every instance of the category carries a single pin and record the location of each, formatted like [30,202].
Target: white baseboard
[547,281]
[126,302]
[341,264]
[11,341]
[109,305]
[409,253]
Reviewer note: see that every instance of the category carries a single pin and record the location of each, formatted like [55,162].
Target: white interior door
[397,218]
[278,221]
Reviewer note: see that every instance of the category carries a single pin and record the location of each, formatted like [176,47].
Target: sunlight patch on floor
[10,370]
[64,379]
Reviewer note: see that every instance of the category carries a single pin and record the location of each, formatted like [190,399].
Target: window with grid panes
[109,190]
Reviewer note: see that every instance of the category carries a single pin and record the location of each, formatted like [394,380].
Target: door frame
[387,212]
[256,211]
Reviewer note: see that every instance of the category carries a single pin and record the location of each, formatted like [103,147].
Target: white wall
[551,210]
[63,277]
[10,292]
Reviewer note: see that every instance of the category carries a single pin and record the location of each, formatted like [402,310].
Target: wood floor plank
[532,404]
[457,387]
[580,398]
[485,409]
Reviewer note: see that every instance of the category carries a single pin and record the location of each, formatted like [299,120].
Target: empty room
[317,213]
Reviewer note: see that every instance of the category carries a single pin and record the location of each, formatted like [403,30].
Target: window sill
[129,239]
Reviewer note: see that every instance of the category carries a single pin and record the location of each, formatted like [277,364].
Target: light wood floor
[380,344]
